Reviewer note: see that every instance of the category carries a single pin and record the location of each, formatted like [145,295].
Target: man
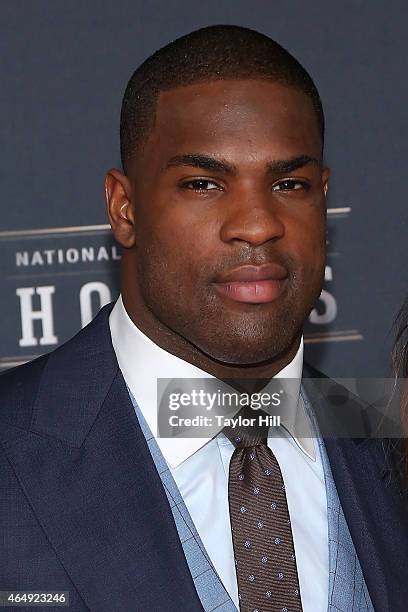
[220,210]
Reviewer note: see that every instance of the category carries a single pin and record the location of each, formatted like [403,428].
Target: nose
[254,221]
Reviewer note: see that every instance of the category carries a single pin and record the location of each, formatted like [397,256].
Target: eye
[290,185]
[200,185]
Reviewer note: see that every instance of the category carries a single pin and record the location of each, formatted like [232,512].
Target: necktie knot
[249,428]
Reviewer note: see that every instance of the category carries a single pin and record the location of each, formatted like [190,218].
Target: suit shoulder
[18,389]
[19,386]
[84,355]
[310,371]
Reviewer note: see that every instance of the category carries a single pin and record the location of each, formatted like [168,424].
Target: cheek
[308,245]
[317,246]
[172,253]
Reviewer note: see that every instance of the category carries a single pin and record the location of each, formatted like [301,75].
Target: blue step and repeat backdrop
[64,67]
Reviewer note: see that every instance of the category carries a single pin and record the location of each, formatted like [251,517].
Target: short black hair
[212,53]
[400,349]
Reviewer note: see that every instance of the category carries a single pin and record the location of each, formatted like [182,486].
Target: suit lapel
[88,474]
[375,511]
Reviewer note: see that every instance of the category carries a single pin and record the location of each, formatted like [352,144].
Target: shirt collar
[142,361]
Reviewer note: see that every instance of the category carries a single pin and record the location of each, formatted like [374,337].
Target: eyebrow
[294,163]
[207,162]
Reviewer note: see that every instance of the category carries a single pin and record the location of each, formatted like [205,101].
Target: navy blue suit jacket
[82,508]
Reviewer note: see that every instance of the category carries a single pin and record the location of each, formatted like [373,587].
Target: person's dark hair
[400,367]
[212,53]
[400,350]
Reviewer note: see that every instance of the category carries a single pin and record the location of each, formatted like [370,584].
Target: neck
[245,377]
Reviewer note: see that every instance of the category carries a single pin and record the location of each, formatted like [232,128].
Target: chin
[247,350]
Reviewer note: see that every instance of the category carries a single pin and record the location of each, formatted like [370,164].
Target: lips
[270,271]
[252,284]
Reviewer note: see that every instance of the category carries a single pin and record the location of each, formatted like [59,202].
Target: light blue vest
[347,589]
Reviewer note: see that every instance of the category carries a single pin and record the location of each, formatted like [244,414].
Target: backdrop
[64,67]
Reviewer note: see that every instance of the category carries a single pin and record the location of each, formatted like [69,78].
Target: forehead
[238,118]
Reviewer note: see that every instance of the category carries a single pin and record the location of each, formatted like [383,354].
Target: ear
[118,194]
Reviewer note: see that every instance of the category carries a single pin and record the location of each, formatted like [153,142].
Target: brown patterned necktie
[261,531]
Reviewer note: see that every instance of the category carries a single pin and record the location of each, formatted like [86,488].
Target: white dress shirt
[200,466]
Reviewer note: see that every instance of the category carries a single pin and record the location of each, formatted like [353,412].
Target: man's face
[230,177]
